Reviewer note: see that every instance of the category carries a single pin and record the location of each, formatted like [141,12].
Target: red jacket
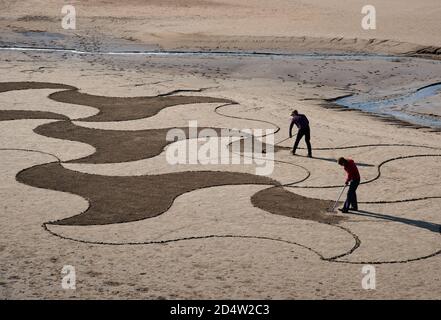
[352,171]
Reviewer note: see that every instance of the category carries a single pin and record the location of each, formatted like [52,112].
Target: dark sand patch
[29,18]
[112,108]
[126,199]
[24,85]
[127,108]
[278,200]
[27,114]
[113,146]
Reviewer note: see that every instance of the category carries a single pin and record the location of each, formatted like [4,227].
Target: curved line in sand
[373,179]
[365,182]
[356,245]
[335,259]
[332,259]
[31,150]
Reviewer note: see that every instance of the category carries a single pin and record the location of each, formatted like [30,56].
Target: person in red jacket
[353,180]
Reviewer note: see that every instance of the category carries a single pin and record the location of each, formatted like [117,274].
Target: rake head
[334,206]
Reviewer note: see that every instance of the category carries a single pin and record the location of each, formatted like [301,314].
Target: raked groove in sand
[99,212]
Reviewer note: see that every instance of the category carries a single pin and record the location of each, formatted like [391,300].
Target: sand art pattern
[121,200]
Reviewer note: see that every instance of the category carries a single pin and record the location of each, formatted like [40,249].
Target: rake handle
[338,199]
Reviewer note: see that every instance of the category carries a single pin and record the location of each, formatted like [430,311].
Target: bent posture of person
[302,123]
[353,180]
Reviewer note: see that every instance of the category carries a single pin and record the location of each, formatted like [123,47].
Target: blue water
[396,105]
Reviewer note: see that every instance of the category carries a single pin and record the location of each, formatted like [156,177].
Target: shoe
[343,210]
[293,153]
[355,209]
[309,155]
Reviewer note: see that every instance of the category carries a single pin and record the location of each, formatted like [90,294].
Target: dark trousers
[351,200]
[303,132]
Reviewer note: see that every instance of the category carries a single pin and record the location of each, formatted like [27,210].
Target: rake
[281,141]
[332,209]
[264,150]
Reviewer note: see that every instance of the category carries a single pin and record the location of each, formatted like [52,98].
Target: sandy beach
[86,174]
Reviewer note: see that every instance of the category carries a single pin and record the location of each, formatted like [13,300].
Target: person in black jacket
[302,123]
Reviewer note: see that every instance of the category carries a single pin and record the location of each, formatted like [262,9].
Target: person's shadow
[416,223]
